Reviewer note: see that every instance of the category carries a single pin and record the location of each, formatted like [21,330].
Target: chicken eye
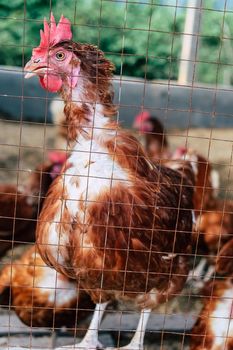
[60,56]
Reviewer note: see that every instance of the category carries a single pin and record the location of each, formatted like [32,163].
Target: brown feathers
[40,296]
[224,264]
[97,70]
[203,188]
[214,327]
[215,226]
[15,208]
[19,208]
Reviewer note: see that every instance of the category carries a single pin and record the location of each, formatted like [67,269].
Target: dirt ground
[24,145]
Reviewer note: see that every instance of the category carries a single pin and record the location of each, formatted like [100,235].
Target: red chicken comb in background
[141,117]
[179,152]
[53,34]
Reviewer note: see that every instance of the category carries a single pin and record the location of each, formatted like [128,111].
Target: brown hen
[114,221]
[40,296]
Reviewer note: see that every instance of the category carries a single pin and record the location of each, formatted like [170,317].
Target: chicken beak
[33,68]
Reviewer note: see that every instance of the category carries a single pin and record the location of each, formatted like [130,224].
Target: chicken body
[216,225]
[40,296]
[224,263]
[204,191]
[213,217]
[155,138]
[19,207]
[158,149]
[213,240]
[214,327]
[15,209]
[114,221]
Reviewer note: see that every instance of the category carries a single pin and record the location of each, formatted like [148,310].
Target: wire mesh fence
[128,220]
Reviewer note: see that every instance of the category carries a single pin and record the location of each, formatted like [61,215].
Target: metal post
[190,42]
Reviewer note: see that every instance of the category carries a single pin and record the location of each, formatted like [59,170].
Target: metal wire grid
[188,293]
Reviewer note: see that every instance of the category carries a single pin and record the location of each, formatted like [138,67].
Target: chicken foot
[138,338]
[90,340]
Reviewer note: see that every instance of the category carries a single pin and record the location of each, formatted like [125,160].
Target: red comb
[141,117]
[182,150]
[53,34]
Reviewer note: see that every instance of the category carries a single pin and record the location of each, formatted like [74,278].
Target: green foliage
[136,37]
[215,47]
[142,39]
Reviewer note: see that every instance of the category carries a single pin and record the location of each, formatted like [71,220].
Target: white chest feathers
[93,172]
[221,318]
[58,289]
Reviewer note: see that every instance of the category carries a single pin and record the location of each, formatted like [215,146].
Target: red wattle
[52,83]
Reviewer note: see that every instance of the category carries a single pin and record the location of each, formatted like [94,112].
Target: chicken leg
[198,272]
[90,341]
[138,338]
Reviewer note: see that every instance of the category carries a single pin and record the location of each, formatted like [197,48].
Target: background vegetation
[143,38]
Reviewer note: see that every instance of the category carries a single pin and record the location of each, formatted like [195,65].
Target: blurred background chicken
[157,147]
[214,220]
[212,236]
[40,296]
[214,327]
[19,207]
[224,264]
[154,136]
[215,225]
[204,186]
